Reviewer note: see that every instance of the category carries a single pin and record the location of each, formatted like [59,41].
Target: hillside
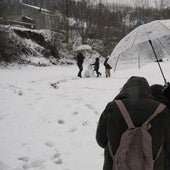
[34,47]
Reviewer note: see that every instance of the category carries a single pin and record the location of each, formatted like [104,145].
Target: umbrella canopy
[83,47]
[141,45]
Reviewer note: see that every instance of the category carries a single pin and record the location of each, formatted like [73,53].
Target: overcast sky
[137,2]
[124,1]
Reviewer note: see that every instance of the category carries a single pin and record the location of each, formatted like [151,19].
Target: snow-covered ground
[48,116]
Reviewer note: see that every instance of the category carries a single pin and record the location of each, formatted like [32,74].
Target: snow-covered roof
[36,7]
[29,18]
[45,32]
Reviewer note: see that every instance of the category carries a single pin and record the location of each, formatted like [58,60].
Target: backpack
[135,148]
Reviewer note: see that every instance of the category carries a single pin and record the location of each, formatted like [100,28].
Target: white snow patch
[52,124]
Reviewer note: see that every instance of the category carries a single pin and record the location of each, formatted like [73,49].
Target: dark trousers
[97,72]
[108,162]
[80,66]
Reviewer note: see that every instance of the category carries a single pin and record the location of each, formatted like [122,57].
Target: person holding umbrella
[80,59]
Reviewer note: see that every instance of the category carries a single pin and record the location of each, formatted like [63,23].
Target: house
[32,16]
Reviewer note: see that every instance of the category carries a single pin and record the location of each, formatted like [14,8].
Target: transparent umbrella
[146,43]
[84,47]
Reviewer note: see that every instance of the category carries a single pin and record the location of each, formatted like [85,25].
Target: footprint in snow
[92,108]
[34,164]
[61,122]
[56,155]
[73,129]
[58,162]
[75,113]
[56,159]
[85,123]
[50,144]
[24,158]
[54,85]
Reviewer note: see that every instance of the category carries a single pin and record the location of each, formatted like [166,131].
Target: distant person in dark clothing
[136,96]
[80,59]
[107,67]
[96,67]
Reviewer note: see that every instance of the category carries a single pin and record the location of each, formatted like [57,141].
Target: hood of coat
[135,87]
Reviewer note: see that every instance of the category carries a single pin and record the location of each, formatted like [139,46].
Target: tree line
[100,21]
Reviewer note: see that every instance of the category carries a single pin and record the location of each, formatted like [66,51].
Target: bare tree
[142,4]
[161,4]
[3,6]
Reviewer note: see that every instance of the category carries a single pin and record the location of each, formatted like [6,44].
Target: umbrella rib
[163,46]
[164,25]
[138,59]
[135,36]
[116,62]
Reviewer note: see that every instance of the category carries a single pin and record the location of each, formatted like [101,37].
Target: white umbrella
[145,44]
[83,47]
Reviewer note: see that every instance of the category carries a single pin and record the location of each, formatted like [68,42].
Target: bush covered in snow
[35,47]
[10,47]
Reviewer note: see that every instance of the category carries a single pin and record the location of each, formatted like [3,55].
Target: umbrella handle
[150,42]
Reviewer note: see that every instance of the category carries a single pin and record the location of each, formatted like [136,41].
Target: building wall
[36,15]
[13,13]
[43,20]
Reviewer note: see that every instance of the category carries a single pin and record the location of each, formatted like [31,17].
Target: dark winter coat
[107,66]
[80,58]
[137,98]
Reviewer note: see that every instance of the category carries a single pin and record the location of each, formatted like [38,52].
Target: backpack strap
[125,113]
[158,110]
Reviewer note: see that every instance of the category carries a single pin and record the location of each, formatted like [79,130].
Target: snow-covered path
[48,116]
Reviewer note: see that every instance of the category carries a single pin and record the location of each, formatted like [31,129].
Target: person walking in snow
[137,98]
[80,59]
[96,67]
[107,67]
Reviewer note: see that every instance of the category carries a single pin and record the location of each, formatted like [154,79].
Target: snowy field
[48,116]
